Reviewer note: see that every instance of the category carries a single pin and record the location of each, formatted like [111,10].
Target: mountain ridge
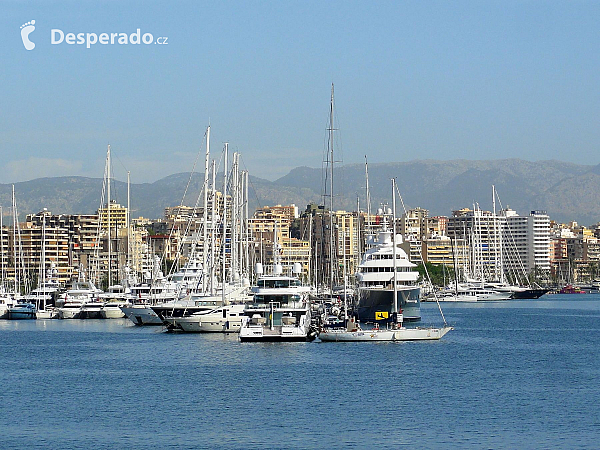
[567,191]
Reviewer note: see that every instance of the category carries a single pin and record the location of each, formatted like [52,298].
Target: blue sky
[413,80]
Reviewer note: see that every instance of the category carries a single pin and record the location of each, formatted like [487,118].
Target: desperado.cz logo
[58,36]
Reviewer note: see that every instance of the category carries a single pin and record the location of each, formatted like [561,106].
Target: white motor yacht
[80,293]
[279,311]
[225,319]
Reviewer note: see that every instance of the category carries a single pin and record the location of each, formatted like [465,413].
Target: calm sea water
[518,374]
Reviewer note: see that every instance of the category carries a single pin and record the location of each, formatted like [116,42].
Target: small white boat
[49,312]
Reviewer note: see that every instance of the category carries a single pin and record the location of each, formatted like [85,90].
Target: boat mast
[310,263]
[359,243]
[246,228]
[454,251]
[224,235]
[368,193]
[205,213]
[344,273]
[497,268]
[331,261]
[16,265]
[394,246]
[212,226]
[128,220]
[232,246]
[42,281]
[108,212]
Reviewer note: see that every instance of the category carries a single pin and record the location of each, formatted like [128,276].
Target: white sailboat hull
[48,313]
[402,334]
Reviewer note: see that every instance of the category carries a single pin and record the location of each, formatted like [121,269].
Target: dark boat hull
[177,311]
[529,294]
[373,301]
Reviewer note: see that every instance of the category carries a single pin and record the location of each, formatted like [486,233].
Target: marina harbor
[282,275]
[289,225]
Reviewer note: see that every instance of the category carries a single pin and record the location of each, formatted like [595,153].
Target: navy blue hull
[382,300]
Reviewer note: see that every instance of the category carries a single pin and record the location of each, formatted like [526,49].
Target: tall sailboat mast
[43,255]
[15,253]
[246,228]
[128,220]
[213,193]
[205,214]
[108,214]
[368,193]
[394,246]
[331,261]
[224,234]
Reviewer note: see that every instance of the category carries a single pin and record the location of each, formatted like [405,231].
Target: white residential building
[526,241]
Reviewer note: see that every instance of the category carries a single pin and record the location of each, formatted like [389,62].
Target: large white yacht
[200,303]
[468,292]
[160,291]
[376,281]
[80,292]
[279,311]
[224,319]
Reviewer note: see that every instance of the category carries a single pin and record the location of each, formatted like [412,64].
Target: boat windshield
[277,282]
[283,299]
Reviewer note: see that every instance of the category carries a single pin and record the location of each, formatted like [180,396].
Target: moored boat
[376,280]
[279,311]
[225,319]
[22,311]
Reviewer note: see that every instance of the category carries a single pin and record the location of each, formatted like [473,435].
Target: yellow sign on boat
[381,315]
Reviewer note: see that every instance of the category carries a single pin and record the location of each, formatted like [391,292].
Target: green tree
[440,274]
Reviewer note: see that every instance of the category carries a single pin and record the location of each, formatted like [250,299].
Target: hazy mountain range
[566,191]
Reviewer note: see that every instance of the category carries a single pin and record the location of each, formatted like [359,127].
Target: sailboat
[19,309]
[396,332]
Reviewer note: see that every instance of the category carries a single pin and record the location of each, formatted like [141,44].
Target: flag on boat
[381,315]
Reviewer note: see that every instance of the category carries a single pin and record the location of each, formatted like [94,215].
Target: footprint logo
[26,30]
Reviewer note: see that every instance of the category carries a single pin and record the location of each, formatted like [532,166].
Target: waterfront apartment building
[284,214]
[291,251]
[439,249]
[413,223]
[526,242]
[70,240]
[117,215]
